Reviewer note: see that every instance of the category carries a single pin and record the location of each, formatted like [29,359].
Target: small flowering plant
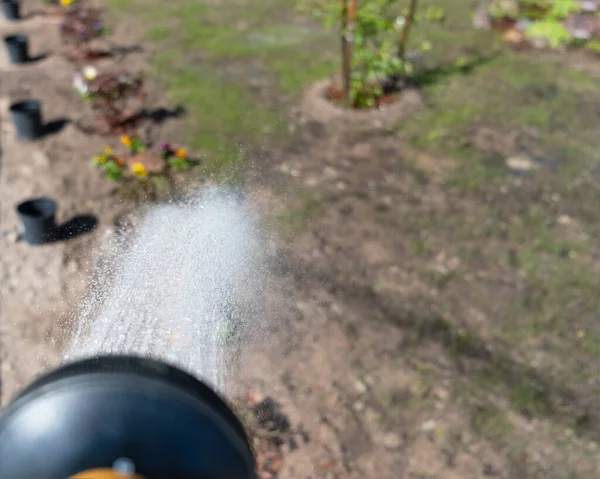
[83,82]
[176,157]
[133,143]
[112,165]
[140,162]
[109,93]
[81,26]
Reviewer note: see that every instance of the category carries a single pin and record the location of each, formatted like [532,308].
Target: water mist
[184,287]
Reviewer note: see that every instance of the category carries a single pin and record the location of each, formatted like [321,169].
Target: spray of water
[184,287]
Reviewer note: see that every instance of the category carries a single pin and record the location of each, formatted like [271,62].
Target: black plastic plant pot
[12,9]
[132,416]
[27,117]
[38,220]
[17,46]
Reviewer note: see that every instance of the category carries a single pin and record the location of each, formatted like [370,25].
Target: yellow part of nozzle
[104,474]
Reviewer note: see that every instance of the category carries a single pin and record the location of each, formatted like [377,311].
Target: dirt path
[39,286]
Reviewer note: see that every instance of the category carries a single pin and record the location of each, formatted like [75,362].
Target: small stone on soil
[330,173]
[358,406]
[362,150]
[441,393]
[284,168]
[391,441]
[564,220]
[40,159]
[428,426]
[360,387]
[11,236]
[336,309]
[520,163]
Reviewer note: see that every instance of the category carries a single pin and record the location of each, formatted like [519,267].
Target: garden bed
[317,105]
[544,24]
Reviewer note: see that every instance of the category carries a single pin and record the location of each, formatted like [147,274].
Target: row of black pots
[15,44]
[12,9]
[26,115]
[37,215]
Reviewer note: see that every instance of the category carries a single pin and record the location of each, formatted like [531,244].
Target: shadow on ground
[76,226]
[54,127]
[160,115]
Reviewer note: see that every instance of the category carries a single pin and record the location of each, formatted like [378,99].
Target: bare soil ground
[39,287]
[434,311]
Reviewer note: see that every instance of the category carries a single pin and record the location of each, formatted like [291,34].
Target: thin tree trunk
[348,47]
[410,18]
[345,64]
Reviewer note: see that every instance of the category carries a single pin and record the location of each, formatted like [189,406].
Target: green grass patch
[293,54]
[224,116]
[296,219]
[158,34]
[501,90]
[121,5]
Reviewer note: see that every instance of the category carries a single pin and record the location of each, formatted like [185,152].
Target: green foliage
[135,144]
[552,31]
[499,9]
[435,14]
[110,164]
[111,168]
[376,55]
[593,46]
[113,172]
[563,8]
[547,17]
[179,164]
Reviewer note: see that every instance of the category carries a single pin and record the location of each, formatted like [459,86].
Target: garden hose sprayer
[122,417]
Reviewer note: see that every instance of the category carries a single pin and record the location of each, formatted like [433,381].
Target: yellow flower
[126,141]
[101,159]
[108,151]
[120,162]
[139,170]
[181,153]
[66,3]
